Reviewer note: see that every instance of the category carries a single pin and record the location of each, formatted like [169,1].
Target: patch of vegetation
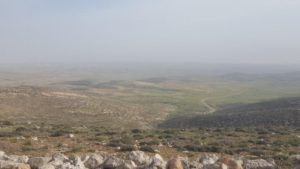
[147,149]
[282,112]
[76,148]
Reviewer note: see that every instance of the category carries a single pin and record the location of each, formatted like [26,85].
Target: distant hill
[290,77]
[280,112]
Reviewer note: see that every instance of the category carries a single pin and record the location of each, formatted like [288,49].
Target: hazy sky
[253,31]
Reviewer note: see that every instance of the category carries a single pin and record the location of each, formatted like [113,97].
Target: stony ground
[136,160]
[39,140]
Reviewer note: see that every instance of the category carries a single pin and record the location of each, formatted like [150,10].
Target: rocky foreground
[134,160]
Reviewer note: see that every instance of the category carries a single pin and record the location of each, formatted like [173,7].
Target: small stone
[93,161]
[13,165]
[195,165]
[78,163]
[157,162]
[139,157]
[206,159]
[231,163]
[34,138]
[2,154]
[38,162]
[47,166]
[113,162]
[17,159]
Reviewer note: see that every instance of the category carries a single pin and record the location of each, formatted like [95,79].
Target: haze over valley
[149,84]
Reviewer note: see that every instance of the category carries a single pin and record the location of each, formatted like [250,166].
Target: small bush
[192,148]
[147,149]
[27,143]
[6,134]
[58,133]
[128,140]
[136,131]
[154,142]
[127,148]
[7,123]
[114,143]
[76,149]
[26,148]
[138,136]
[281,157]
[294,142]
[20,129]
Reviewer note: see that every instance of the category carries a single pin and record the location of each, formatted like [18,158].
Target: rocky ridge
[133,160]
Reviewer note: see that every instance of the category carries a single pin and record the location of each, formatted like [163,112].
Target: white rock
[2,154]
[20,138]
[78,163]
[47,166]
[59,157]
[157,162]
[17,159]
[38,162]
[257,164]
[84,158]
[296,160]
[196,165]
[66,165]
[13,165]
[93,161]
[206,159]
[113,162]
[139,157]
[128,165]
[34,138]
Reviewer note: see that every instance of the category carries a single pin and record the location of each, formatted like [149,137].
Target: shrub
[127,140]
[76,148]
[26,148]
[127,148]
[147,149]
[192,148]
[27,143]
[213,149]
[20,129]
[154,142]
[281,157]
[7,123]
[294,142]
[58,133]
[138,136]
[136,131]
[114,143]
[6,134]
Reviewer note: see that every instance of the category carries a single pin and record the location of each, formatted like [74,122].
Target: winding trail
[210,109]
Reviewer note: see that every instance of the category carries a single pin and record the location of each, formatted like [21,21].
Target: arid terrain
[246,114]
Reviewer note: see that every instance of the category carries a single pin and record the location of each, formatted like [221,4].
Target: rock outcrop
[258,164]
[296,160]
[134,160]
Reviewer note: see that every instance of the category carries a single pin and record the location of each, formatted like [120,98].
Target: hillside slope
[281,112]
